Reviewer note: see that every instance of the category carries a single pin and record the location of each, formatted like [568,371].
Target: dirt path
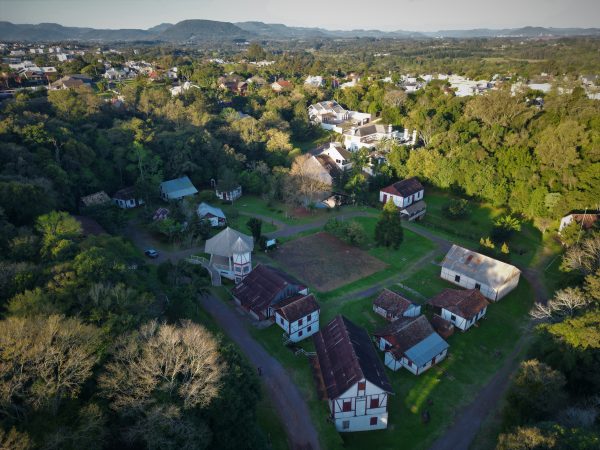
[285,396]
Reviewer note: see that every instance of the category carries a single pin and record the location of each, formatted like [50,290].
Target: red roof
[404,188]
[297,307]
[392,302]
[464,303]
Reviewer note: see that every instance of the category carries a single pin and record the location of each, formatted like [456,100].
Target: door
[361,406]
[384,198]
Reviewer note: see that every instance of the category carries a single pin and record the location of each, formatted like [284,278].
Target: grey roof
[481,268]
[228,242]
[329,106]
[205,208]
[427,349]
[179,187]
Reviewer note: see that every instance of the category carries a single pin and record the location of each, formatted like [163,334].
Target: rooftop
[404,188]
[229,242]
[465,303]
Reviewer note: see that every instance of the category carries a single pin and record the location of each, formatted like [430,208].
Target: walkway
[284,394]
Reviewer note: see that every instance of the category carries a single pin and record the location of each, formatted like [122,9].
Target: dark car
[151,253]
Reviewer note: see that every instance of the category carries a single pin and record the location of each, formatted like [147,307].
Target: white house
[338,154]
[462,308]
[586,220]
[330,115]
[393,306]
[298,316]
[125,198]
[473,270]
[369,135]
[229,194]
[177,189]
[412,343]
[214,215]
[407,195]
[231,253]
[264,289]
[314,81]
[353,377]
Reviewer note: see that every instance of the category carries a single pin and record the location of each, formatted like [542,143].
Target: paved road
[285,396]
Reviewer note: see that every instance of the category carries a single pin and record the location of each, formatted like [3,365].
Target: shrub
[456,209]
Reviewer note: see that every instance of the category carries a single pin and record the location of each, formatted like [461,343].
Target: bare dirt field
[324,262]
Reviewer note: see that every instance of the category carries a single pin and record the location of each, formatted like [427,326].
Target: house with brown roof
[462,308]
[407,195]
[336,153]
[264,288]
[473,270]
[393,306]
[352,376]
[412,343]
[585,220]
[281,85]
[298,316]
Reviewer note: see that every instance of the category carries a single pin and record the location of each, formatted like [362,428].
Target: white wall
[468,283]
[293,330]
[360,415]
[461,322]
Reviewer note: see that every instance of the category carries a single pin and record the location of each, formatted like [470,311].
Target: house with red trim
[298,316]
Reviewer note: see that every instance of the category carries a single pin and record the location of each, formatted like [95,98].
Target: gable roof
[481,268]
[127,193]
[179,187]
[392,302]
[259,288]
[465,303]
[329,165]
[443,327]
[97,198]
[205,208]
[228,242]
[346,356]
[404,188]
[297,307]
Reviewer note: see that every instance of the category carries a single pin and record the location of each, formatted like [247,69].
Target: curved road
[284,394]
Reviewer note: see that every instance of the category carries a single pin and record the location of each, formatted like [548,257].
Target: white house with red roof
[298,316]
[407,195]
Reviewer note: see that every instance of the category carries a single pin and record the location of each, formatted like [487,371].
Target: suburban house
[393,306]
[177,189]
[298,316]
[125,198]
[229,195]
[330,115]
[412,343]
[369,135]
[352,376]
[336,153]
[473,270]
[234,84]
[585,219]
[281,85]
[215,216]
[231,253]
[322,169]
[462,308]
[97,198]
[314,81]
[71,81]
[407,195]
[264,288]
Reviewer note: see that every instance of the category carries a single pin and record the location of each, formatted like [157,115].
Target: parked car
[151,253]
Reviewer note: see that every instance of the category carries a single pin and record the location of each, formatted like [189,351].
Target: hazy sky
[414,15]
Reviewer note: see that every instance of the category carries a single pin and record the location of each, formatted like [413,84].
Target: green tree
[255,226]
[388,231]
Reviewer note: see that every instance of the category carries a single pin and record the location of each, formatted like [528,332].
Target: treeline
[554,400]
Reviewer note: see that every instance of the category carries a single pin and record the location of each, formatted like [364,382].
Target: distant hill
[210,30]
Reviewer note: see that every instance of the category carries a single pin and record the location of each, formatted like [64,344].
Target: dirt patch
[301,212]
[325,262]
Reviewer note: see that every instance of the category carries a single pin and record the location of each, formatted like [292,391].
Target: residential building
[70,82]
[177,189]
[231,253]
[407,195]
[369,135]
[336,153]
[330,115]
[473,270]
[585,220]
[412,343]
[352,376]
[227,194]
[393,306]
[125,198]
[264,288]
[462,308]
[282,85]
[214,215]
[298,316]
[314,81]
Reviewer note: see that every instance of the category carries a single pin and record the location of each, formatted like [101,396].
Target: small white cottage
[229,195]
[125,198]
[231,253]
[214,215]
[393,306]
[473,270]
[462,308]
[353,377]
[298,316]
[407,195]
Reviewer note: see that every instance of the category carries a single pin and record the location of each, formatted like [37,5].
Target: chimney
[390,129]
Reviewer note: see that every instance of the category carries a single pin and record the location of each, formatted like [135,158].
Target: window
[238,269]
[308,329]
[457,278]
[299,333]
[374,402]
[281,320]
[345,424]
[362,385]
[246,269]
[410,363]
[347,406]
[300,323]
[308,318]
[477,286]
[373,421]
[453,318]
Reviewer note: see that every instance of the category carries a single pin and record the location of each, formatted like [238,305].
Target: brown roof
[258,290]
[587,220]
[465,303]
[329,165]
[442,327]
[346,356]
[392,302]
[406,332]
[127,193]
[297,307]
[284,83]
[404,188]
[97,198]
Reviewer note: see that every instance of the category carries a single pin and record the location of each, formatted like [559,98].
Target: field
[324,262]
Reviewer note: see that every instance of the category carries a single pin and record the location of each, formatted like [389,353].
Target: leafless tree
[44,360]
[565,303]
[584,257]
[306,180]
[182,362]
[14,440]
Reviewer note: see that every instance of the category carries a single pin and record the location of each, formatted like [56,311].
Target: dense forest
[99,350]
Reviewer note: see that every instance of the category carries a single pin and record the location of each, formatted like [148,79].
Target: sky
[412,15]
